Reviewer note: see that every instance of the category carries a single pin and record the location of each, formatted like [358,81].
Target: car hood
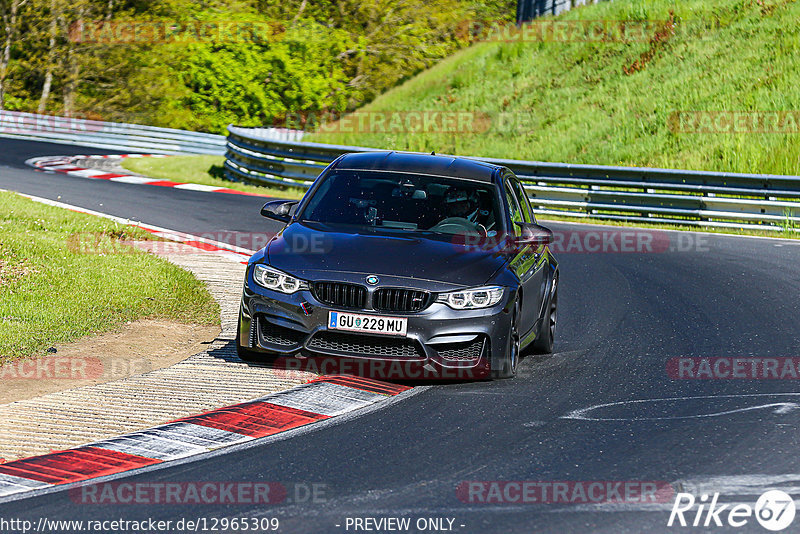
[314,251]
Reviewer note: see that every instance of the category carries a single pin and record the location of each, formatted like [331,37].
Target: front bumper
[440,342]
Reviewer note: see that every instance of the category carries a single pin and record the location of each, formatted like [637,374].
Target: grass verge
[206,170]
[613,102]
[51,292]
[617,101]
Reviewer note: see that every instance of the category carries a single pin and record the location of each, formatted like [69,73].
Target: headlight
[471,299]
[276,280]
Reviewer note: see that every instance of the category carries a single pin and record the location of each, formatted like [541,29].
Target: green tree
[329,55]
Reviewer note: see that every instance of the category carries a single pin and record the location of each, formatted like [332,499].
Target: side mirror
[534,234]
[279,210]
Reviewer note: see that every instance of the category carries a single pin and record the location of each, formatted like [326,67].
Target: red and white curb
[66,165]
[313,402]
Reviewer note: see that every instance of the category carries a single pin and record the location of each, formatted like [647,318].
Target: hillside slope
[619,103]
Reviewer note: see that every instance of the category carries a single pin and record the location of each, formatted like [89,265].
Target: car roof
[408,162]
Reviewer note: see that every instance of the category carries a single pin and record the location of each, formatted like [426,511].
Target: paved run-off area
[208,380]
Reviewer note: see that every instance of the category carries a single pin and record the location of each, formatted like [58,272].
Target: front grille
[341,294]
[366,345]
[279,335]
[461,352]
[400,300]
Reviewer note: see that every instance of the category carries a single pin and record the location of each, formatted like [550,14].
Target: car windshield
[410,202]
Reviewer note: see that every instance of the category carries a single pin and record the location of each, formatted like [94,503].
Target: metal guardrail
[109,135]
[121,136]
[641,194]
[252,157]
[528,10]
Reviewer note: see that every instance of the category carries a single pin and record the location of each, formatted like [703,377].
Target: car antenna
[433,152]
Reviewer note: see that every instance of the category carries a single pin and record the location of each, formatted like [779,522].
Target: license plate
[356,322]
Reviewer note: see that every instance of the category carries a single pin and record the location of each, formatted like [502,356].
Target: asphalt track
[622,317]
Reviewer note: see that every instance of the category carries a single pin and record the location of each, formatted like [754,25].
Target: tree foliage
[322,56]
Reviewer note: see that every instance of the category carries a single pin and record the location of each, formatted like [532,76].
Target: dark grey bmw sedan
[406,266]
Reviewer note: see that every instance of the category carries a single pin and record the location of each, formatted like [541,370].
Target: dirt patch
[134,349]
[12,268]
[657,42]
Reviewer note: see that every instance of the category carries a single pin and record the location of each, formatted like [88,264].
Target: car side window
[513,206]
[524,203]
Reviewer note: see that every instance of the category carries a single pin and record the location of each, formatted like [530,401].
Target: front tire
[511,360]
[244,353]
[543,344]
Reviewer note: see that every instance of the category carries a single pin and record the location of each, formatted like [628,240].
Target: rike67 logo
[774,510]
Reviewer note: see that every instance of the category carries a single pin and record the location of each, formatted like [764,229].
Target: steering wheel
[458,225]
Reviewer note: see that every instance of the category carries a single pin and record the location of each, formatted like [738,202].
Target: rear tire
[543,344]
